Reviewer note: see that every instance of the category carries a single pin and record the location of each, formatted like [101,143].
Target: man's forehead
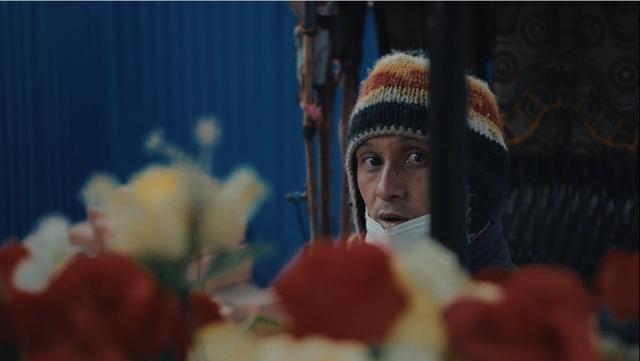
[399,140]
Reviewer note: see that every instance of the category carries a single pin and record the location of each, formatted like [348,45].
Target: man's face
[393,178]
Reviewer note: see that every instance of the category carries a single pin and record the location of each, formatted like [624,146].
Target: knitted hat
[393,100]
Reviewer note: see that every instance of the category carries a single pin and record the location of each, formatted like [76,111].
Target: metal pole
[448,112]
[308,126]
[326,99]
[350,94]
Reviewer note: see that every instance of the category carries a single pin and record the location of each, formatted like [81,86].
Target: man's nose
[391,184]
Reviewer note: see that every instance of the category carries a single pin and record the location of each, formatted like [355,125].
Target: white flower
[410,353]
[229,207]
[286,348]
[433,269]
[99,188]
[222,342]
[49,248]
[430,275]
[419,329]
[207,131]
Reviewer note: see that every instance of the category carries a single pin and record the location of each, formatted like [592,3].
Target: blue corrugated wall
[83,83]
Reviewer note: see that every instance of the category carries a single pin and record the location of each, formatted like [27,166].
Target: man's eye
[372,161]
[416,158]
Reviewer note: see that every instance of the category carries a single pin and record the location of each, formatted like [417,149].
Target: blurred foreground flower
[287,348]
[545,314]
[341,292]
[49,248]
[618,284]
[431,269]
[430,276]
[97,305]
[11,253]
[228,208]
[168,212]
[149,216]
[223,342]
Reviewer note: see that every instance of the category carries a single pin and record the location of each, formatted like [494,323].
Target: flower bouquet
[129,284]
[134,292]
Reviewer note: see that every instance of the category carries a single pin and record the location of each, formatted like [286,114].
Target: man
[387,161]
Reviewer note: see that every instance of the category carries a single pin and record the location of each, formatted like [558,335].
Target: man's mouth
[389,219]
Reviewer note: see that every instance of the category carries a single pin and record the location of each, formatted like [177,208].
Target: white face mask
[403,234]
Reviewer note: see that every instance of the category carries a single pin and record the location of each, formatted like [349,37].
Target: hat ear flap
[486,194]
[359,214]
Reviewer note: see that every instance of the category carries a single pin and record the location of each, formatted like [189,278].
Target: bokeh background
[83,83]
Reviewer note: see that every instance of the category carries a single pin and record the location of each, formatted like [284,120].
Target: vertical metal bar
[307,124]
[448,114]
[350,94]
[326,100]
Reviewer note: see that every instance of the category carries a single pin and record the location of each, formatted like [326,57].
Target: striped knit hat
[393,100]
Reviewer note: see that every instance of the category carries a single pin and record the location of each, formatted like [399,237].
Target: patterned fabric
[394,100]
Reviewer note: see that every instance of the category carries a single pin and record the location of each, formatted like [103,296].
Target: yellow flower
[150,216]
[228,208]
[222,342]
[286,348]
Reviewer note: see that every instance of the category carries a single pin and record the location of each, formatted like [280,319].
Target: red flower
[104,303]
[343,292]
[618,284]
[69,351]
[545,315]
[10,254]
[496,275]
[205,309]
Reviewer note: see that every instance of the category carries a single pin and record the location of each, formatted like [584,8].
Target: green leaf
[260,320]
[228,259]
[170,274]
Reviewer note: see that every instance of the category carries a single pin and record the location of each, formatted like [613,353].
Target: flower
[98,190]
[495,275]
[341,292]
[106,303]
[206,310]
[149,217]
[222,341]
[207,131]
[544,314]
[430,276]
[431,268]
[49,247]
[618,284]
[229,207]
[11,253]
[68,351]
[407,352]
[419,332]
[286,348]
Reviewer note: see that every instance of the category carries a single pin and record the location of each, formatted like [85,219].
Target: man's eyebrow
[363,148]
[366,145]
[415,143]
